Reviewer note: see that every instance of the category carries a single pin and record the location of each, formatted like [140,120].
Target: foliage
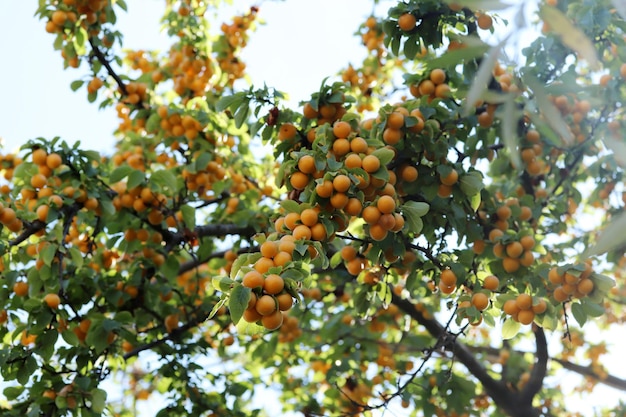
[417,224]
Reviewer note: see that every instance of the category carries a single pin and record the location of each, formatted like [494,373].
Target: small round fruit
[273,321]
[524,301]
[52,300]
[407,22]
[480,301]
[266,305]
[448,277]
[491,283]
[273,284]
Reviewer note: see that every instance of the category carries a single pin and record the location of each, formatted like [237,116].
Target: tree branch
[540,369]
[509,401]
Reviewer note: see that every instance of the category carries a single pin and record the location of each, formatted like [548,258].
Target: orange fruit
[408,173]
[341,183]
[263,264]
[302,232]
[448,277]
[526,316]
[341,147]
[484,21]
[325,189]
[339,200]
[524,301]
[253,279]
[251,315]
[348,253]
[514,249]
[54,161]
[358,145]
[353,207]
[285,301]
[171,322]
[42,212]
[480,301]
[378,232]
[353,160]
[341,129]
[437,76]
[287,131]
[20,288]
[450,179]
[273,284]
[299,180]
[371,214]
[269,248]
[265,305]
[540,307]
[308,217]
[392,136]
[407,22]
[386,204]
[273,321]
[52,300]
[282,258]
[527,242]
[395,120]
[306,164]
[510,307]
[510,265]
[491,283]
[370,164]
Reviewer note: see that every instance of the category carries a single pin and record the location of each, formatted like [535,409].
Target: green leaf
[170,267]
[618,147]
[458,55]
[611,237]
[475,201]
[509,127]
[549,111]
[482,78]
[241,115]
[189,216]
[12,392]
[48,253]
[579,313]
[602,283]
[135,178]
[229,102]
[77,256]
[471,183]
[570,35]
[165,178]
[223,284]
[413,212]
[419,208]
[412,46]
[593,309]
[119,173]
[98,400]
[291,206]
[217,306]
[75,85]
[239,297]
[510,328]
[384,155]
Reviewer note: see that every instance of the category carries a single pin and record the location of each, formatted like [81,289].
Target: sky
[302,43]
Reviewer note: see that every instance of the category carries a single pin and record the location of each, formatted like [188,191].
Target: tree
[421,229]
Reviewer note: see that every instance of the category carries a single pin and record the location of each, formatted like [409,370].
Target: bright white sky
[303,42]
